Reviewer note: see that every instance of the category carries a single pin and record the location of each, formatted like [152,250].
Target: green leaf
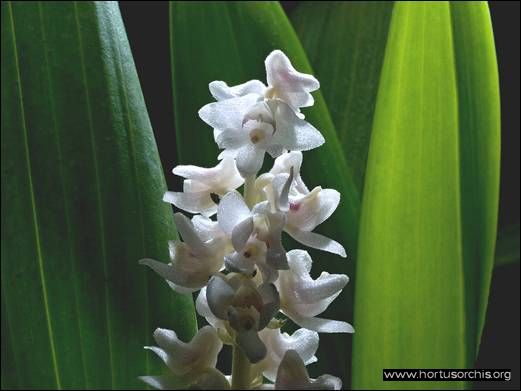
[229,41]
[345,43]
[479,122]
[507,247]
[81,203]
[430,195]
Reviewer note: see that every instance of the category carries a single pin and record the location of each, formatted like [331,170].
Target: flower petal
[221,91]
[302,298]
[288,84]
[223,177]
[228,114]
[247,336]
[210,379]
[270,303]
[206,228]
[183,358]
[320,242]
[286,161]
[186,229]
[180,289]
[281,184]
[186,281]
[237,263]
[251,345]
[219,295]
[321,325]
[241,233]
[199,202]
[313,208]
[293,375]
[202,308]
[249,159]
[325,286]
[166,382]
[293,133]
[231,211]
[231,140]
[303,341]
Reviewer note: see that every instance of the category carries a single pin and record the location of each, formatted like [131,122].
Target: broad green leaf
[229,41]
[81,203]
[507,247]
[412,299]
[345,43]
[479,122]
[357,32]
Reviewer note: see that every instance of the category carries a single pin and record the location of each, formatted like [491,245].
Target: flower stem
[241,369]
[249,190]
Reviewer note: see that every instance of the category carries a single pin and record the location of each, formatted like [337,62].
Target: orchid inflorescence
[238,262]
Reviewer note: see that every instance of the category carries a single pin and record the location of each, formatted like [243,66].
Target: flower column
[248,282]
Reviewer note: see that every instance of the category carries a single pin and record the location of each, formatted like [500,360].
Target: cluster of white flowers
[238,261]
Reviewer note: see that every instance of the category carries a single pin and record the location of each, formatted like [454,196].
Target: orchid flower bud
[248,309]
[201,183]
[302,298]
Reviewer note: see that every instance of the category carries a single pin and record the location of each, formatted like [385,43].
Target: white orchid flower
[307,209]
[285,83]
[302,298]
[192,363]
[303,341]
[194,261]
[248,309]
[306,212]
[293,375]
[247,128]
[201,183]
[249,227]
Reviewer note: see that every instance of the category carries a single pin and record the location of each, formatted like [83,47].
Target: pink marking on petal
[294,207]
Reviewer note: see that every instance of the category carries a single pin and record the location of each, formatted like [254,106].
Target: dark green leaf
[345,43]
[81,203]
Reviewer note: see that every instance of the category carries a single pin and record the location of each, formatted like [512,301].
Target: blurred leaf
[81,203]
[430,198]
[345,43]
[229,41]
[507,247]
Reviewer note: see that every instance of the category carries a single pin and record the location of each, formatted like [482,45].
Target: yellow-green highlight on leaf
[81,204]
[345,43]
[229,41]
[410,293]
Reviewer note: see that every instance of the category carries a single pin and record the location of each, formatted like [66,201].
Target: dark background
[147,28]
